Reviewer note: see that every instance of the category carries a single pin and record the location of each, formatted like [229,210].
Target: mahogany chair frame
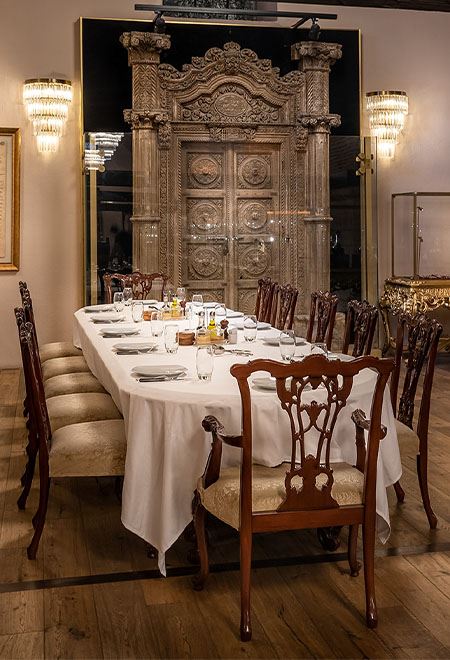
[284,302]
[360,326]
[264,298]
[416,345]
[309,507]
[324,307]
[140,283]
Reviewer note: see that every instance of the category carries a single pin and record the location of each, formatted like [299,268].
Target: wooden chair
[264,297]
[63,409]
[92,448]
[140,283]
[57,349]
[416,345]
[283,306]
[360,327]
[322,316]
[254,498]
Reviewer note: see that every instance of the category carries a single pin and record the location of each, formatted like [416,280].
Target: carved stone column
[315,60]
[150,126]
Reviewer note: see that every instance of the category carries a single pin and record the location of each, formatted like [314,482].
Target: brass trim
[386,93]
[60,81]
[14,265]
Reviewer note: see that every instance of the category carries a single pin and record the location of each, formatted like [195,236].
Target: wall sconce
[387,114]
[47,102]
[99,149]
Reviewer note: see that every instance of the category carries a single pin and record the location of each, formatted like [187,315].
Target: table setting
[165,389]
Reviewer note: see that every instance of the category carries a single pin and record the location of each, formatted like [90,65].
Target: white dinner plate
[98,308]
[274,340]
[108,317]
[239,324]
[132,348]
[234,315]
[124,331]
[210,304]
[155,370]
[269,383]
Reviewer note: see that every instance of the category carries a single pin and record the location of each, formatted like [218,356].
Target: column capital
[144,47]
[319,123]
[316,55]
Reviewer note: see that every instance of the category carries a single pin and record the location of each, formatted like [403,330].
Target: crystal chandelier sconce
[47,102]
[99,149]
[387,115]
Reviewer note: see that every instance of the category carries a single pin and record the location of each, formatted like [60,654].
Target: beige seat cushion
[222,497]
[56,349]
[404,433]
[89,449]
[81,381]
[63,365]
[77,408]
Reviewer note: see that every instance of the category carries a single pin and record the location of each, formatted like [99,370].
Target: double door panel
[230,211]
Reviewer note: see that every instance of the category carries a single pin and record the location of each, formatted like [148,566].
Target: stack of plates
[231,314]
[159,372]
[122,331]
[131,349]
[108,317]
[98,308]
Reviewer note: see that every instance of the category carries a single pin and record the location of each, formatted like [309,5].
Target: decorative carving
[144,47]
[253,262]
[252,214]
[205,262]
[205,170]
[146,118]
[322,315]
[360,327]
[209,295]
[254,171]
[301,138]
[231,133]
[230,103]
[246,300]
[205,216]
[140,283]
[316,54]
[321,122]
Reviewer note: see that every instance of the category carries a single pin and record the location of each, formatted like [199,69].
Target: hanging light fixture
[99,148]
[387,114]
[47,101]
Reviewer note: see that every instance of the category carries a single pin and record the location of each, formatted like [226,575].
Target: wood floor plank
[22,646]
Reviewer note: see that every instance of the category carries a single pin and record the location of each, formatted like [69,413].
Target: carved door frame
[171,105]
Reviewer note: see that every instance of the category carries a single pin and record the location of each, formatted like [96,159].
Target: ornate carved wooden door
[230,196]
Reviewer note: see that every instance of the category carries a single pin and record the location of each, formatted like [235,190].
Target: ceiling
[423,5]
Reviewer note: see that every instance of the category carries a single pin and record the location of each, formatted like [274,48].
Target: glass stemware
[118,302]
[137,311]
[127,295]
[287,345]
[319,348]
[171,338]
[157,323]
[250,327]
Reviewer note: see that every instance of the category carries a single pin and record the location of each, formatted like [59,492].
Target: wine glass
[319,348]
[287,345]
[137,310]
[127,295]
[181,294]
[118,302]
[205,362]
[250,327]
[171,338]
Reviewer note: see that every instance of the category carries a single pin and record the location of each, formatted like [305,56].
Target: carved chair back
[322,316]
[309,480]
[140,283]
[283,306]
[416,344]
[264,297]
[28,313]
[360,327]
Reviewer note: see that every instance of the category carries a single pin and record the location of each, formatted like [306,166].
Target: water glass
[250,327]
[157,323]
[127,295]
[319,348]
[137,311]
[221,313]
[287,345]
[118,302]
[205,362]
[181,294]
[197,302]
[171,338]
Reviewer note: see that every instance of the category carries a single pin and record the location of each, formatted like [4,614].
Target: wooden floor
[94,593]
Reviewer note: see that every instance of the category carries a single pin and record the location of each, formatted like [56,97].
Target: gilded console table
[413,294]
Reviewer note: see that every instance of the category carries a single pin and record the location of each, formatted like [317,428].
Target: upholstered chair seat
[77,408]
[88,449]
[57,349]
[78,382]
[404,433]
[63,365]
[268,489]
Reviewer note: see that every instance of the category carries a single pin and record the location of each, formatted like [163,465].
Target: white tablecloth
[167,447]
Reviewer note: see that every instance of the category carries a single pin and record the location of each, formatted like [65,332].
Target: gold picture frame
[9,199]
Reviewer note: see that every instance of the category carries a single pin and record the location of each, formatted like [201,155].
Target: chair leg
[352,547]
[399,492]
[368,531]
[39,518]
[202,546]
[422,473]
[246,566]
[27,477]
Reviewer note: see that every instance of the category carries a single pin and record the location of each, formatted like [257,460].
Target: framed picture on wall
[9,199]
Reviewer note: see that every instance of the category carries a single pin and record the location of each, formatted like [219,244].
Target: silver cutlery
[160,379]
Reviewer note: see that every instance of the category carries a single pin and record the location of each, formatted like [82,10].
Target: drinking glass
[118,301]
[250,327]
[157,323]
[181,293]
[221,313]
[137,310]
[205,362]
[197,304]
[287,345]
[319,348]
[127,295]
[171,338]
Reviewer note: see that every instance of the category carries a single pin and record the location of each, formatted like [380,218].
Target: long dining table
[167,447]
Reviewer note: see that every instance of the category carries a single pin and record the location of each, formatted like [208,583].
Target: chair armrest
[212,470]
[362,424]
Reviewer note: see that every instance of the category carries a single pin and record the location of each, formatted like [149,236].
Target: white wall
[401,50]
